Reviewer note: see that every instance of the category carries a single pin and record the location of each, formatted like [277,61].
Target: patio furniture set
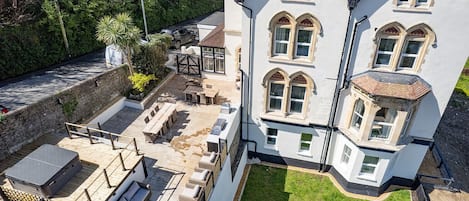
[159,120]
[198,94]
[203,179]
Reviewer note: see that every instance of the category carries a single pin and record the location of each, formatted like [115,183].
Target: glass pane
[302,50]
[347,150]
[359,107]
[281,48]
[271,140]
[220,65]
[208,64]
[272,132]
[422,1]
[282,34]
[371,160]
[306,137]
[296,106]
[387,44]
[298,92]
[304,36]
[275,104]
[367,169]
[276,89]
[413,47]
[383,59]
[304,147]
[407,62]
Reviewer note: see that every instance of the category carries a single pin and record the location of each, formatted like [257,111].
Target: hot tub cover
[41,165]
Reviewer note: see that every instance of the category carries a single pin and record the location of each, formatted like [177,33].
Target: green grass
[274,184]
[467,63]
[463,85]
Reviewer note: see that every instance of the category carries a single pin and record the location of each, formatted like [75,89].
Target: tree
[152,56]
[121,32]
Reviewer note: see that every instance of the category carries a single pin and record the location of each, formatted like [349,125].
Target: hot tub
[44,171]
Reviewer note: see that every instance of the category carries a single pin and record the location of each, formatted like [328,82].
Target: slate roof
[216,38]
[394,85]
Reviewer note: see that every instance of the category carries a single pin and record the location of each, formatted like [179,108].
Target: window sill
[297,61]
[366,177]
[213,72]
[406,8]
[299,1]
[305,154]
[271,147]
[277,116]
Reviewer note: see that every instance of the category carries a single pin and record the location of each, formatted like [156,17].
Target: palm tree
[120,31]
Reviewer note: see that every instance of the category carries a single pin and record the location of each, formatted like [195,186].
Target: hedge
[38,44]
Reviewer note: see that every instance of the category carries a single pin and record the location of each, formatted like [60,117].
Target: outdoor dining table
[200,92]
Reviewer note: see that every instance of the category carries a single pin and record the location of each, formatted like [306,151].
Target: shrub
[152,56]
[140,81]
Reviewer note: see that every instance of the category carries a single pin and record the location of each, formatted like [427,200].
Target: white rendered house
[356,88]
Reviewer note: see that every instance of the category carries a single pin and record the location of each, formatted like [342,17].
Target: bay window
[369,166]
[383,123]
[357,116]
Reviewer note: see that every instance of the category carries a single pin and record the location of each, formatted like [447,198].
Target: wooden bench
[160,123]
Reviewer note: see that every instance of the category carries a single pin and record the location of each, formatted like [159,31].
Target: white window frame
[267,136]
[219,60]
[365,175]
[304,44]
[422,4]
[416,56]
[305,152]
[345,155]
[391,54]
[377,124]
[281,41]
[354,112]
[297,100]
[276,97]
[207,53]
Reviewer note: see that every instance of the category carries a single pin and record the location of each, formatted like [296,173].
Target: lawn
[463,82]
[274,184]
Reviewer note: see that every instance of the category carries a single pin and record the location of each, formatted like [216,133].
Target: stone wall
[74,104]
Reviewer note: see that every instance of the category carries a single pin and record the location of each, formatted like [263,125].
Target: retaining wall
[73,104]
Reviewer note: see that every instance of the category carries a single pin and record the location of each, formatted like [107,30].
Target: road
[31,88]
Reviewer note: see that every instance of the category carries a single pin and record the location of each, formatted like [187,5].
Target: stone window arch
[307,30]
[281,26]
[276,83]
[416,42]
[401,49]
[388,42]
[301,86]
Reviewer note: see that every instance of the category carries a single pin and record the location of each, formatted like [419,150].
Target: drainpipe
[340,86]
[240,2]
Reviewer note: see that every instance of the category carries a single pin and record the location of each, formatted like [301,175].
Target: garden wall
[74,104]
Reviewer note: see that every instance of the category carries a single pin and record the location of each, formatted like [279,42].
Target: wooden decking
[94,157]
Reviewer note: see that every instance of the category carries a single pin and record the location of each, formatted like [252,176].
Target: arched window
[276,91]
[294,39]
[388,40]
[398,49]
[306,31]
[298,89]
[357,116]
[282,34]
[416,42]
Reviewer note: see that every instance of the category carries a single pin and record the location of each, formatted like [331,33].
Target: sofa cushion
[191,192]
[213,156]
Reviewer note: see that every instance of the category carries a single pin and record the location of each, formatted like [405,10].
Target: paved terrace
[172,158]
[31,88]
[94,158]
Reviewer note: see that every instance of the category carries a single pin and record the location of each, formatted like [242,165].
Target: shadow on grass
[266,183]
